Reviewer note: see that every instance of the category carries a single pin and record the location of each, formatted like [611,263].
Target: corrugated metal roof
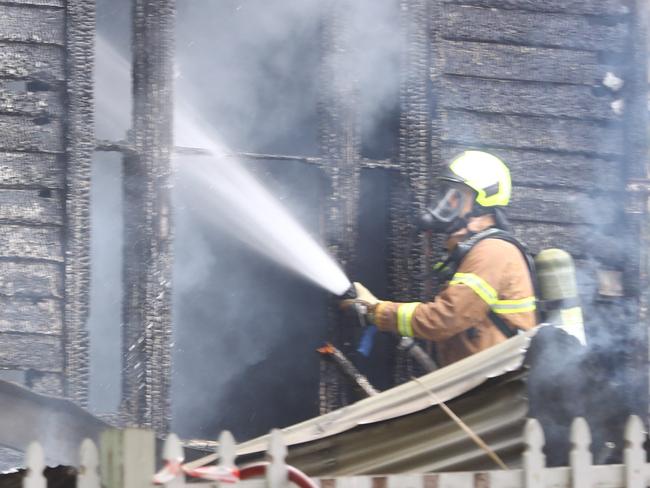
[58,424]
[403,429]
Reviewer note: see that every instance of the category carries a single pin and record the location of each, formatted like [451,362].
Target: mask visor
[450,207]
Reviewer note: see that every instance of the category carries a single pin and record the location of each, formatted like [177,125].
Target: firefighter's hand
[364,295]
[364,298]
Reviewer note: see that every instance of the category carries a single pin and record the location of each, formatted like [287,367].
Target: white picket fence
[127,461]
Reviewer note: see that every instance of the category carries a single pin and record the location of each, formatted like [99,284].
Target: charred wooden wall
[46,142]
[527,79]
[556,89]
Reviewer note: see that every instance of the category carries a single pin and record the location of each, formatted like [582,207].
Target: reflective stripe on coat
[493,276]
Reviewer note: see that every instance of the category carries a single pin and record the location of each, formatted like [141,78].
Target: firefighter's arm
[463,304]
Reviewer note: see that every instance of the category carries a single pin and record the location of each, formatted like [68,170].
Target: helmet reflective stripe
[486,174]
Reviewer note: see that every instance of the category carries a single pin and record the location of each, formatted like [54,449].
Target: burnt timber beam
[412,189]
[602,7]
[414,148]
[340,144]
[80,138]
[367,163]
[147,207]
[347,369]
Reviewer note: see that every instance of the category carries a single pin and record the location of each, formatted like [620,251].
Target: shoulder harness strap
[463,248]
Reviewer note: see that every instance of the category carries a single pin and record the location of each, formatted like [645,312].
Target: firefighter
[489,294]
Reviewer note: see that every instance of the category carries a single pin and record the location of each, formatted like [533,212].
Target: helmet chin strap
[463,222]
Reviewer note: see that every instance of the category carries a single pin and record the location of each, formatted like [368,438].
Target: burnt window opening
[371,267]
[258,323]
[38,86]
[106,282]
[377,56]
[43,120]
[15,85]
[14,376]
[379,133]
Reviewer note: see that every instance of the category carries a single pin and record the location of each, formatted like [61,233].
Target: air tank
[560,304]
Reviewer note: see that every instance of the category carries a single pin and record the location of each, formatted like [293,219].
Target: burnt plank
[31,103]
[31,206]
[31,169]
[41,25]
[38,280]
[36,3]
[31,279]
[568,170]
[532,132]
[31,351]
[488,60]
[25,315]
[45,383]
[31,61]
[28,242]
[592,7]
[468,23]
[21,133]
[539,236]
[526,98]
[562,206]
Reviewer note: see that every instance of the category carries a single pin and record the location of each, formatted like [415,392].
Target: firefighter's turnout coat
[493,276]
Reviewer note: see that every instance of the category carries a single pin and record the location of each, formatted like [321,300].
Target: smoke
[248,74]
[228,196]
[246,330]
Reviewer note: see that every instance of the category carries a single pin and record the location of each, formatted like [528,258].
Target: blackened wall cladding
[556,89]
[46,142]
[147,330]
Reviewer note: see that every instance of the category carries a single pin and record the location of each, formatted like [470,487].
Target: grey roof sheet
[402,429]
[413,396]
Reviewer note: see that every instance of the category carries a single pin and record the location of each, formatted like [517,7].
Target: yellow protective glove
[364,295]
[364,298]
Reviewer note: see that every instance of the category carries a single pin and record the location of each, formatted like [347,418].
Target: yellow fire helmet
[484,173]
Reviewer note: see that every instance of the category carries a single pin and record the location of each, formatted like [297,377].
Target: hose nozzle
[359,308]
[350,293]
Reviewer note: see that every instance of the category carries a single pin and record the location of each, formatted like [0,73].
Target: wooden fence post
[127,458]
[534,460]
[277,475]
[88,464]
[634,454]
[35,462]
[227,450]
[173,456]
[580,457]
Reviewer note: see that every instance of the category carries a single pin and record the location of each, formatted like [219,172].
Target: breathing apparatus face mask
[446,216]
